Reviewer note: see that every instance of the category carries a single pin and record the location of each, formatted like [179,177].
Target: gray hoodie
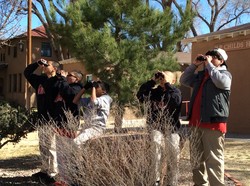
[215,94]
[96,113]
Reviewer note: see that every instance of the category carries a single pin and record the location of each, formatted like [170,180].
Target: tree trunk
[119,113]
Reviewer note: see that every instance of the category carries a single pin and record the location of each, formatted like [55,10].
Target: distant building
[236,42]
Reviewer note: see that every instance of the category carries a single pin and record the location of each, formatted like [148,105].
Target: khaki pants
[47,147]
[66,161]
[207,157]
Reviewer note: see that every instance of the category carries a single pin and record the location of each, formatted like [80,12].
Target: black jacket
[163,104]
[46,91]
[37,82]
[64,99]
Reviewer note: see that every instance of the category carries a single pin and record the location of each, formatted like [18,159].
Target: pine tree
[120,41]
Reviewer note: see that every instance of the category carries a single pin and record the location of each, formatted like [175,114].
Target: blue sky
[35,22]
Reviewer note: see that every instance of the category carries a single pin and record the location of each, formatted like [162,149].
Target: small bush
[15,122]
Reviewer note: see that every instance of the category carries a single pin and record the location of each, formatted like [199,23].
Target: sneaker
[43,176]
[157,183]
[49,179]
[39,175]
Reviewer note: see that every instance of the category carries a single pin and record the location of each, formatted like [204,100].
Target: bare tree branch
[44,15]
[9,19]
[218,14]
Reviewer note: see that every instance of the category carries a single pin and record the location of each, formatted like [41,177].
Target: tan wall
[15,66]
[238,50]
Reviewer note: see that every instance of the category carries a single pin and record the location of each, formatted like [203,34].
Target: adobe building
[236,42]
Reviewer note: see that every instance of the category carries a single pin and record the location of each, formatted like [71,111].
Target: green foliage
[15,122]
[120,41]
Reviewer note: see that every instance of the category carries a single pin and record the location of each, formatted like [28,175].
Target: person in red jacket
[209,111]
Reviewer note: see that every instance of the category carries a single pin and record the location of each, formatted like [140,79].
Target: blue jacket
[215,93]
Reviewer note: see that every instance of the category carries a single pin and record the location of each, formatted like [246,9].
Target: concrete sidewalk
[237,136]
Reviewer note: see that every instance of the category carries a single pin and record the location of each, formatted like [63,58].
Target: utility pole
[29,51]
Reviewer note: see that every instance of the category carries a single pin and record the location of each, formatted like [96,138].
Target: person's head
[51,68]
[74,76]
[219,56]
[170,77]
[101,88]
[165,77]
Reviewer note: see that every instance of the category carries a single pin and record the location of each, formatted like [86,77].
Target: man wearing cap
[208,114]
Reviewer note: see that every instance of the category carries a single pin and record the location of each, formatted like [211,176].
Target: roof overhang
[216,36]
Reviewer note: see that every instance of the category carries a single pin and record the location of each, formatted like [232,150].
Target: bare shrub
[118,159]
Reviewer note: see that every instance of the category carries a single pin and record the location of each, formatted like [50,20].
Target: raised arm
[81,92]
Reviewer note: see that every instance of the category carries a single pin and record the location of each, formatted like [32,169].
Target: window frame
[46,49]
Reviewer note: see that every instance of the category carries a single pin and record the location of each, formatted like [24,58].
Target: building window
[15,52]
[15,83]
[21,45]
[2,57]
[8,50]
[10,83]
[1,86]
[46,50]
[20,82]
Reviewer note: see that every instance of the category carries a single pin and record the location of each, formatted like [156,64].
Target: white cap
[222,53]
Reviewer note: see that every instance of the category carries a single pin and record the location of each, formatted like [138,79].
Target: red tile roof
[36,32]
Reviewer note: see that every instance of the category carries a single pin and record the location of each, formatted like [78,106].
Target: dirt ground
[237,159]
[19,162]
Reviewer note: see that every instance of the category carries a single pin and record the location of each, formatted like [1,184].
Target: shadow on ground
[20,163]
[18,171]
[20,181]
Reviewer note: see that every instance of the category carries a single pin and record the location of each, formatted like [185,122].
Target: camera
[159,75]
[201,58]
[43,62]
[58,73]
